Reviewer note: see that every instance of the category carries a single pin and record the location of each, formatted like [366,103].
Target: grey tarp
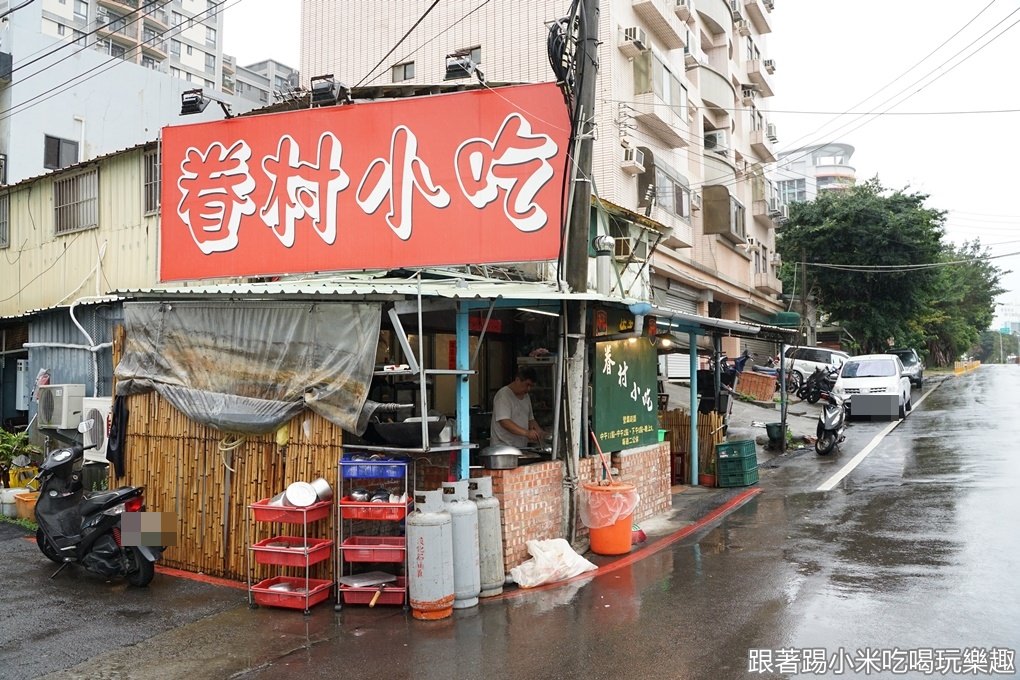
[250,366]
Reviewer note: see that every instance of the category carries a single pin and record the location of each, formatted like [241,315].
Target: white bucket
[8,503]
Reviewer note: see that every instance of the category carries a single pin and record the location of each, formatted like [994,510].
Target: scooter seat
[97,502]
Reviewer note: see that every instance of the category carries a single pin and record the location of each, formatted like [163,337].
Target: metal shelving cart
[285,550]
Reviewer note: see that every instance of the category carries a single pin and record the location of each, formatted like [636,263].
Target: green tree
[846,237]
[995,347]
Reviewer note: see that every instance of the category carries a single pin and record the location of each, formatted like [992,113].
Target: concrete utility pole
[575,260]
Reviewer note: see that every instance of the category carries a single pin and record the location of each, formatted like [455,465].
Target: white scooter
[831,424]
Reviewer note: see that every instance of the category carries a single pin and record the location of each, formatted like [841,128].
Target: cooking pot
[323,491]
[500,457]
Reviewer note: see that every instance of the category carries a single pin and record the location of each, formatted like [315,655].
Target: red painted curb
[641,553]
[201,578]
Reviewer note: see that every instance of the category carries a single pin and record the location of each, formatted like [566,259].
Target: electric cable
[399,42]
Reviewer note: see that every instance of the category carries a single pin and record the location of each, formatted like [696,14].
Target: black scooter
[75,527]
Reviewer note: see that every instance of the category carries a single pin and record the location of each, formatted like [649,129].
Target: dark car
[912,364]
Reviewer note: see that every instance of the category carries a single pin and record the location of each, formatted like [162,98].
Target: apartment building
[684,148]
[87,78]
[804,172]
[265,81]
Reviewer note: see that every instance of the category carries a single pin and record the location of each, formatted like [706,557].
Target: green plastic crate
[739,449]
[737,478]
[728,466]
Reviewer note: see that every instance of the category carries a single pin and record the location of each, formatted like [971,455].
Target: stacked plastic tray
[736,463]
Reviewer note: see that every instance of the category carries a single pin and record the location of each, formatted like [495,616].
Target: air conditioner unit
[735,10]
[748,95]
[770,132]
[770,5]
[715,140]
[784,212]
[695,202]
[743,28]
[623,248]
[60,406]
[753,244]
[23,387]
[683,9]
[776,259]
[100,411]
[634,42]
[770,65]
[774,207]
[633,161]
[102,16]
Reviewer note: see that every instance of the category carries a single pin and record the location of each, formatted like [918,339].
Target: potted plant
[13,445]
[706,468]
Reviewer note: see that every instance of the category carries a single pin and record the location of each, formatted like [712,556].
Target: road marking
[831,483]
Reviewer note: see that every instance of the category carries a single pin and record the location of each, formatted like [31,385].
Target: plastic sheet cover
[250,366]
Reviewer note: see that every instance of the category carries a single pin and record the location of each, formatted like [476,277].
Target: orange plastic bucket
[614,539]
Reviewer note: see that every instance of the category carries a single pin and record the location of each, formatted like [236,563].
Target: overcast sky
[833,57]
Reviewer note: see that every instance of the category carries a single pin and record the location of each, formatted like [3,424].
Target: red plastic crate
[293,554]
[318,590]
[392,593]
[351,509]
[373,549]
[290,515]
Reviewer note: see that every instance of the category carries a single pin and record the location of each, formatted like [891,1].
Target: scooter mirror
[86,425]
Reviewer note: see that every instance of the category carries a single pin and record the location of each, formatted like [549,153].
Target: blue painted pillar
[463,392]
[694,407]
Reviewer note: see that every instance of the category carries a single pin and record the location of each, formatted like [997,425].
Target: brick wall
[531,506]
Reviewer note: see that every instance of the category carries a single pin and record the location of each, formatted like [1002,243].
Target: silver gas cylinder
[430,557]
[466,575]
[490,536]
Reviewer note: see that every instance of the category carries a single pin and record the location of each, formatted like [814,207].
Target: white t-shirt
[506,405]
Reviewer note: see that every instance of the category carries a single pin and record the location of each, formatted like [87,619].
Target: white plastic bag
[551,560]
[603,506]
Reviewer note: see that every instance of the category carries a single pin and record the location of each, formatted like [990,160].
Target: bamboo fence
[678,424]
[186,471]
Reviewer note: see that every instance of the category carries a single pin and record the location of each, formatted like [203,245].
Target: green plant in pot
[706,468]
[13,445]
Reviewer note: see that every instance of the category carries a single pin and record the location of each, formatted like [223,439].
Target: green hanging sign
[626,394]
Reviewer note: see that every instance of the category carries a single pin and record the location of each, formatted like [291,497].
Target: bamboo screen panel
[183,470]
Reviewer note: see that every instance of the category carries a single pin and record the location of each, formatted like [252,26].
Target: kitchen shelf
[302,552]
[370,533]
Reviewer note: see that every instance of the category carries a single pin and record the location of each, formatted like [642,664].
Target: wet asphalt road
[917,548]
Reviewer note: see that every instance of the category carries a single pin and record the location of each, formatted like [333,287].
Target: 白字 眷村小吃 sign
[626,394]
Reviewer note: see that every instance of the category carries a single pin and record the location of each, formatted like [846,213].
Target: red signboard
[464,178]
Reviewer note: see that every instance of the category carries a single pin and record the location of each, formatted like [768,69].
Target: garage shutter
[675,366]
[671,300]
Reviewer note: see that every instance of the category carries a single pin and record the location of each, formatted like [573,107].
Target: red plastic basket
[318,590]
[373,549]
[290,515]
[290,551]
[351,509]
[392,593]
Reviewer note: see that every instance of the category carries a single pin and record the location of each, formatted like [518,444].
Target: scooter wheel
[45,548]
[141,570]
[825,444]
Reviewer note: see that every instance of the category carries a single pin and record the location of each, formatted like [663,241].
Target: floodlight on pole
[194,101]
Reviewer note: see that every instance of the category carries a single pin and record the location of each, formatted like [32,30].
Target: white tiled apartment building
[681,115]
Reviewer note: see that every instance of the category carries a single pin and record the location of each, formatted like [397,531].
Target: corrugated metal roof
[102,300]
[81,164]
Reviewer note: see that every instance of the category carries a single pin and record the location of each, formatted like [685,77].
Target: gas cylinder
[466,575]
[429,531]
[490,536]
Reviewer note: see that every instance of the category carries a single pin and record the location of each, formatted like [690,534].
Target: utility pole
[803,300]
[575,260]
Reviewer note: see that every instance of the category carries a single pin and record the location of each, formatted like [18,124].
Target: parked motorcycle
[821,380]
[831,424]
[75,527]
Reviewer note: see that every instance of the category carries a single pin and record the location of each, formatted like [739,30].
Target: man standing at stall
[513,420]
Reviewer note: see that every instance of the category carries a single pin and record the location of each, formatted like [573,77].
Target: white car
[874,385]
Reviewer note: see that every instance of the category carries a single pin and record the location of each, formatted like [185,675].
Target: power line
[903,268]
[399,42]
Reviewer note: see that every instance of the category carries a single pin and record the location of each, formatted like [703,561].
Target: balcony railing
[758,13]
[661,119]
[757,74]
[767,282]
[663,21]
[762,145]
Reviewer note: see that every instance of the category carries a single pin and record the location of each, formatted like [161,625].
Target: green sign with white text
[626,394]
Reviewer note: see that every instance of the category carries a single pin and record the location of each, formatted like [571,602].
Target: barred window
[5,221]
[76,202]
[151,172]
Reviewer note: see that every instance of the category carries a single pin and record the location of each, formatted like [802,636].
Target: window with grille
[59,153]
[5,220]
[76,202]
[151,171]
